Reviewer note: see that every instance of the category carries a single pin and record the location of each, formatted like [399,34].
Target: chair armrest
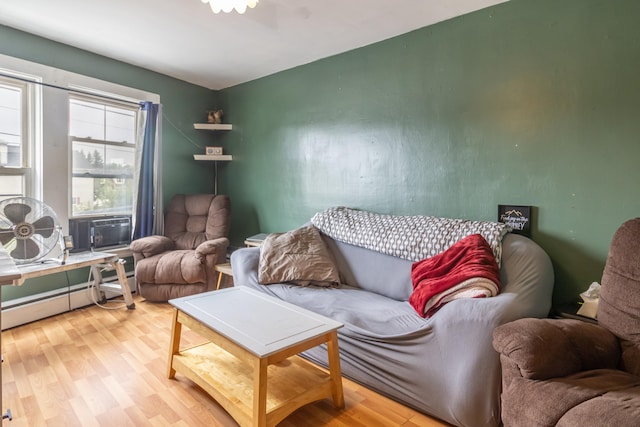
[212,247]
[151,245]
[549,348]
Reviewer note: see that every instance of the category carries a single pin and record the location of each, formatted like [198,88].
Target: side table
[570,311]
[224,268]
[255,240]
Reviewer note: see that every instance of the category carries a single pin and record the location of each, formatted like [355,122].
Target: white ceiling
[185,40]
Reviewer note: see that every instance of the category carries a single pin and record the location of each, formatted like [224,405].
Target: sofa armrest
[151,245]
[212,247]
[245,263]
[548,348]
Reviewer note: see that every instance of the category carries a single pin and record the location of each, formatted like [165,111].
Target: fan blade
[44,226]
[6,235]
[16,212]
[25,249]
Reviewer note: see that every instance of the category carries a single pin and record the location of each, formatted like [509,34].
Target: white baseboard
[35,307]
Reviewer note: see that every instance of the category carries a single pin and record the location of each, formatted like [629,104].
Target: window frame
[107,100]
[31,105]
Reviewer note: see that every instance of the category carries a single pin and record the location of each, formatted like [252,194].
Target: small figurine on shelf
[215,116]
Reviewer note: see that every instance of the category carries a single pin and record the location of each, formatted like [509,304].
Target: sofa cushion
[364,313]
[161,268]
[619,408]
[298,256]
[548,348]
[467,269]
[545,403]
[371,271]
[194,218]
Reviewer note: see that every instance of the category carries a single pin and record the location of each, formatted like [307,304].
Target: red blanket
[468,269]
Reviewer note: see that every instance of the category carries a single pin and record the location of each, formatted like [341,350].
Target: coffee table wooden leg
[260,393]
[174,346]
[334,370]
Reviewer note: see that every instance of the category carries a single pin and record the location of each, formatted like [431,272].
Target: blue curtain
[147,210]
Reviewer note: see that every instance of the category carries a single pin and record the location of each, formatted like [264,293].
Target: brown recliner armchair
[560,372]
[182,262]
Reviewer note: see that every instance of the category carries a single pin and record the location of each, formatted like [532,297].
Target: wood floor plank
[107,368]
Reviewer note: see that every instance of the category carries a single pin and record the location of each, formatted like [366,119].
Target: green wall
[528,102]
[183,104]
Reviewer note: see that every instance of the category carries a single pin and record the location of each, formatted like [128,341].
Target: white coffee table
[246,365]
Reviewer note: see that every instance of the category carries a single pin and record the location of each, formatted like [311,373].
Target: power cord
[166,118]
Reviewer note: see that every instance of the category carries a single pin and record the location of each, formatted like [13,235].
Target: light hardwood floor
[96,367]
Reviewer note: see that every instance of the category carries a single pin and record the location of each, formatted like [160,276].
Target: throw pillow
[298,256]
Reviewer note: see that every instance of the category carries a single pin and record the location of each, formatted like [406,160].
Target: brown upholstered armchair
[182,261]
[572,373]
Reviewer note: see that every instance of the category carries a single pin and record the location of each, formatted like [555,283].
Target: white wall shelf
[215,160]
[211,158]
[212,126]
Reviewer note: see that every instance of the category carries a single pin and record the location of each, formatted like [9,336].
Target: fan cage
[29,229]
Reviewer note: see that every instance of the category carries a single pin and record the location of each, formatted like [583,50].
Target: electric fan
[29,229]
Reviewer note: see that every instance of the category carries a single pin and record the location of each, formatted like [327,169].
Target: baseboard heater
[28,309]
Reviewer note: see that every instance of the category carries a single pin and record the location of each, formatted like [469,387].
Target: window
[102,138]
[14,138]
[52,124]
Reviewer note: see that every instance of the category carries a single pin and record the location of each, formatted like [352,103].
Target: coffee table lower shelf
[292,383]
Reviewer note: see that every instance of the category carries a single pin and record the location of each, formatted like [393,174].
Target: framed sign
[517,217]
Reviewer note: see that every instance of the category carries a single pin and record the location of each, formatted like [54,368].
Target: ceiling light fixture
[227,6]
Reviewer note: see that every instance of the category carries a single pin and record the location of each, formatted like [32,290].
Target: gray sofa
[445,365]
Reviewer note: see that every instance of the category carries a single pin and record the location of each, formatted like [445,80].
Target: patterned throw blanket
[408,237]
